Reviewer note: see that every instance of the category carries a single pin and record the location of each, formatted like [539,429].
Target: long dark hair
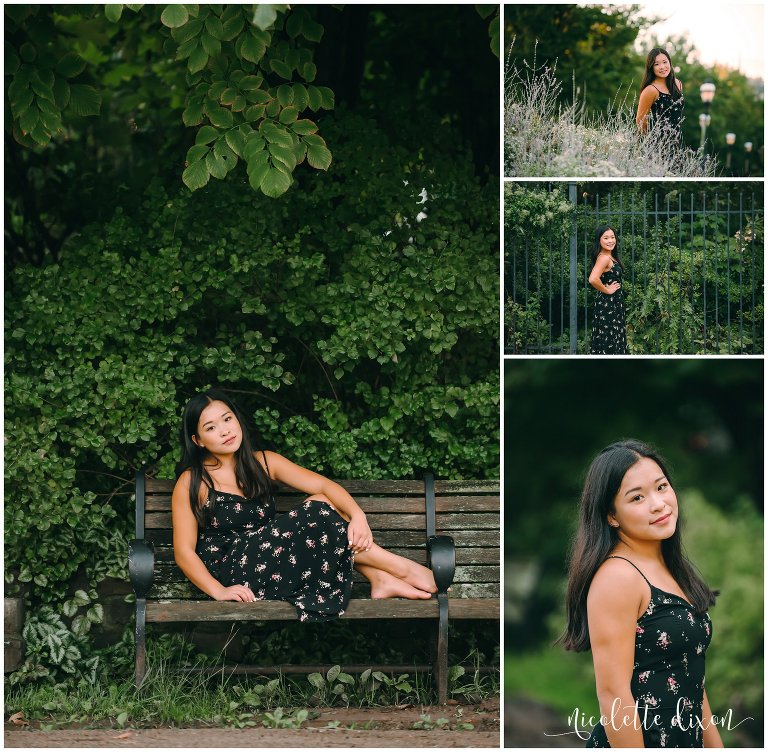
[649,77]
[252,480]
[595,539]
[596,249]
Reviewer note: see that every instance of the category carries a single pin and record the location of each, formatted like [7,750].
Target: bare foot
[385,585]
[420,577]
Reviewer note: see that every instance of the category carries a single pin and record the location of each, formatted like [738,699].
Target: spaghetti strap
[628,561]
[266,464]
[660,92]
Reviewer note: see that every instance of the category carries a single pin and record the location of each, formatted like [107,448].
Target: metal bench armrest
[141,566]
[442,560]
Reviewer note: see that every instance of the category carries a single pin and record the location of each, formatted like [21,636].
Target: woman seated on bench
[230,542]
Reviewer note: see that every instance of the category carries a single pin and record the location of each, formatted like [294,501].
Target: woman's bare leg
[386,585]
[416,575]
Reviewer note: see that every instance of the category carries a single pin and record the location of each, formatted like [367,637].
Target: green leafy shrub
[355,320]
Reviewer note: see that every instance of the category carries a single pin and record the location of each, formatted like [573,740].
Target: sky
[729,33]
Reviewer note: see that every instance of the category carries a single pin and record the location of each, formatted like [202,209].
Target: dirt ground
[357,727]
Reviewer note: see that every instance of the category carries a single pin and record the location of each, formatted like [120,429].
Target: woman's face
[661,66]
[218,430]
[608,240]
[645,508]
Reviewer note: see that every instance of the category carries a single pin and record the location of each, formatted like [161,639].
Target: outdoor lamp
[748,150]
[730,139]
[707,91]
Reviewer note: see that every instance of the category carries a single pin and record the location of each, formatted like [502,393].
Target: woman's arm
[285,471]
[594,276]
[614,599]
[184,542]
[711,732]
[647,97]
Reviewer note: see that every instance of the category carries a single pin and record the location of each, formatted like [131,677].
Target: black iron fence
[693,265]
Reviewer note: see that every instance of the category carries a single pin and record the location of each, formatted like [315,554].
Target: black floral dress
[609,325]
[668,676]
[667,113]
[301,556]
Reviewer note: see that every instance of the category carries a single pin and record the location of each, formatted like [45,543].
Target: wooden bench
[452,526]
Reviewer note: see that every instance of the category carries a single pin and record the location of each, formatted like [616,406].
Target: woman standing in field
[639,604]
[661,96]
[609,328]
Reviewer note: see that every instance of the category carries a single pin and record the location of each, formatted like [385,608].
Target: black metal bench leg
[441,659]
[141,640]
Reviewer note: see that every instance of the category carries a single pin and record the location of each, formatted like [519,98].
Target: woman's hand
[359,533]
[612,288]
[235,593]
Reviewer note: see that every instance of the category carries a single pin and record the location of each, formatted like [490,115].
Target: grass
[543,137]
[169,699]
[561,679]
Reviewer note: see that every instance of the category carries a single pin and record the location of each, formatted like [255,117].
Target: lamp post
[748,151]
[730,140]
[707,91]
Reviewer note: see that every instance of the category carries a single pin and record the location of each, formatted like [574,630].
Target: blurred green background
[706,418]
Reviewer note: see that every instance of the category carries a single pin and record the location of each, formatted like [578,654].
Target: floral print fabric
[301,556]
[668,676]
[609,326]
[669,112]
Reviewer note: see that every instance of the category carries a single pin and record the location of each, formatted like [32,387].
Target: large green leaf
[196,175]
[275,183]
[315,98]
[198,59]
[304,127]
[276,134]
[235,141]
[193,114]
[217,166]
[232,22]
[308,71]
[221,117]
[174,16]
[252,48]
[282,70]
[284,95]
[319,156]
[264,16]
[84,99]
[197,152]
[113,12]
[210,44]
[253,145]
[284,154]
[288,115]
[206,134]
[300,96]
[214,26]
[70,65]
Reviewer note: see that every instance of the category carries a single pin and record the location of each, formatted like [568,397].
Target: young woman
[229,541]
[661,95]
[640,605]
[609,327]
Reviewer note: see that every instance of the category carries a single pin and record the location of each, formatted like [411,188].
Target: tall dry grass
[543,137]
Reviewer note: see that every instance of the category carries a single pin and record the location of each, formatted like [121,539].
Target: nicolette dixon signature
[643,717]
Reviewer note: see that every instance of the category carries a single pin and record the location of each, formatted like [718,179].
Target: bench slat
[358,609]
[357,486]
[387,539]
[371,505]
[187,591]
[446,522]
[464,556]
[168,573]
